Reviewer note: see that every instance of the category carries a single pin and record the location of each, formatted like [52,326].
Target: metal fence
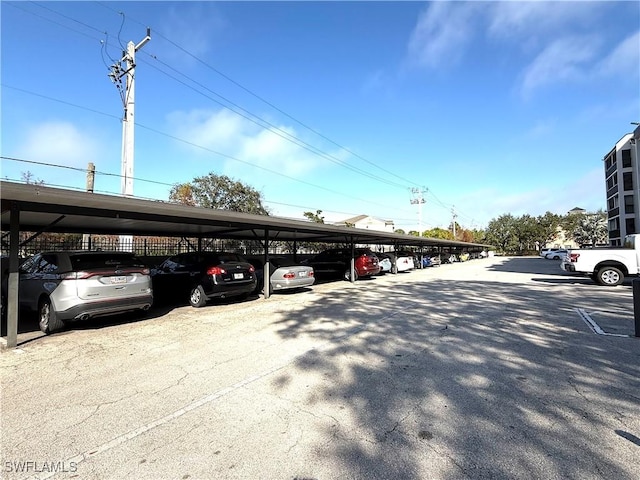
[31,244]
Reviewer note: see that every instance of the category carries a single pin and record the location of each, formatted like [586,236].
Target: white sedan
[556,254]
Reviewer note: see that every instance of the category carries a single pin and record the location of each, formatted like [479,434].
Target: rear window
[229,257]
[282,262]
[104,260]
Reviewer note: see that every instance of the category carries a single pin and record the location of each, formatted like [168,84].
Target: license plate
[238,276]
[302,274]
[116,280]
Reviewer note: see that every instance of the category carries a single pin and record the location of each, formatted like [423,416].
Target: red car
[337,262]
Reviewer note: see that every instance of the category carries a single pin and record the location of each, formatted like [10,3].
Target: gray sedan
[285,274]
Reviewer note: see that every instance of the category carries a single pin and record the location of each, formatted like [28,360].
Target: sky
[480,109]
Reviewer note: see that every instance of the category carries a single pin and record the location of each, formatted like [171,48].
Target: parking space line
[200,402]
[595,328]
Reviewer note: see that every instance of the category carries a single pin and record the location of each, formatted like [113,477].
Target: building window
[612,181]
[626,158]
[628,204]
[614,224]
[627,181]
[631,225]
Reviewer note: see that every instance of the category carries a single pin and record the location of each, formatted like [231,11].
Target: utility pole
[453,213]
[419,200]
[125,68]
[91,175]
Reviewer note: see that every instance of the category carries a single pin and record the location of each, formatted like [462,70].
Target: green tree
[569,223]
[501,233]
[438,232]
[314,217]
[414,233]
[399,230]
[592,229]
[220,192]
[546,228]
[524,231]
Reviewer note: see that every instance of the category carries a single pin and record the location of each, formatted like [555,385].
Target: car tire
[197,297]
[47,318]
[347,275]
[610,276]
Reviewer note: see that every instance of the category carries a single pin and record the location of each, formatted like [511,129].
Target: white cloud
[623,59]
[224,132]
[59,143]
[586,191]
[565,59]
[442,32]
[508,19]
[192,26]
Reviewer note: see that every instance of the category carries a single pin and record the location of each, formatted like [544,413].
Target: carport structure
[37,208]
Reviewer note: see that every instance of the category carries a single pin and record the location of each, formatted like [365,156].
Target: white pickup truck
[606,266]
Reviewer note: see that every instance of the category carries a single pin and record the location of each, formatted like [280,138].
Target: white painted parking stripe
[198,403]
[595,328]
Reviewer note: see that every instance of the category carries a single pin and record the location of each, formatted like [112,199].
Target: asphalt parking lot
[484,369]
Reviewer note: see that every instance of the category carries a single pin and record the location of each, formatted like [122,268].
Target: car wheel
[347,275]
[197,297]
[610,276]
[47,318]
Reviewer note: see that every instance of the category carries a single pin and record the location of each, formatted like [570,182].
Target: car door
[39,275]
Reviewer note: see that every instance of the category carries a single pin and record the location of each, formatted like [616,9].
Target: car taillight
[76,275]
[310,274]
[252,269]
[573,257]
[216,271]
[289,275]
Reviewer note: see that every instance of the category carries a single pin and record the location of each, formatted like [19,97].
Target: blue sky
[486,107]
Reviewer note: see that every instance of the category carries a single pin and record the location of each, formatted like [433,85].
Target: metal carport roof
[50,209]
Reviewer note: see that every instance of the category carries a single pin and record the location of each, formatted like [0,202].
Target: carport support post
[266,275]
[13,281]
[353,262]
[636,305]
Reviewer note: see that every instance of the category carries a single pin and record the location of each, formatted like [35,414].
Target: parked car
[202,276]
[402,261]
[606,266]
[284,274]
[68,286]
[386,264]
[558,254]
[545,251]
[336,262]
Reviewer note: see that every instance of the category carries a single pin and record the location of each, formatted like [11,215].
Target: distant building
[367,222]
[621,172]
[576,211]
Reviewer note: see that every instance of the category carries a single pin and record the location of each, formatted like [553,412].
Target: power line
[291,138]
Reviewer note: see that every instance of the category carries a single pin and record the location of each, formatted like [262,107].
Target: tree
[438,232]
[220,192]
[524,232]
[30,178]
[414,233]
[314,217]
[399,230]
[592,229]
[500,232]
[546,229]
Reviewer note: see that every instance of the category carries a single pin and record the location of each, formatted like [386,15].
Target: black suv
[201,276]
